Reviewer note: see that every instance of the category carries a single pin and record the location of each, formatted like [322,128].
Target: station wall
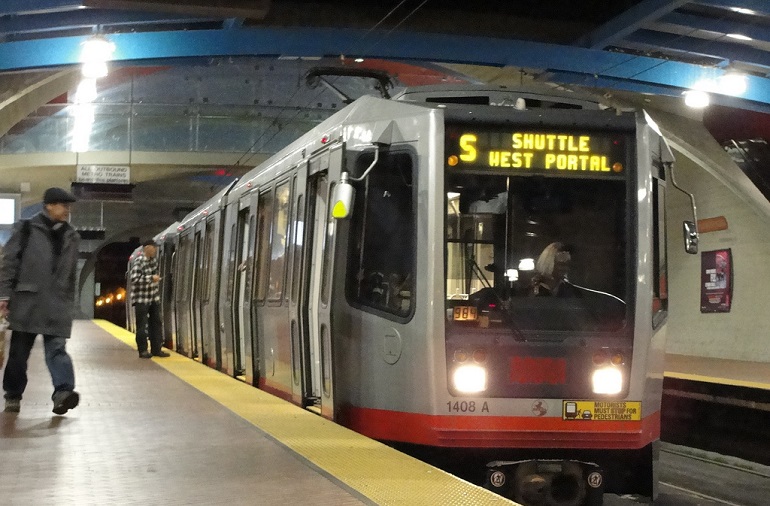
[720,189]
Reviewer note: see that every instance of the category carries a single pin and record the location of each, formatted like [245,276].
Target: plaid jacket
[144,291]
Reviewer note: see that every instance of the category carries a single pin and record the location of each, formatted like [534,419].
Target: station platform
[733,373]
[172,431]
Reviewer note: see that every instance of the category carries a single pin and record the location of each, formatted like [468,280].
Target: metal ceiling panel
[87,19]
[758,6]
[18,7]
[407,46]
[716,25]
[654,44]
[717,49]
[631,20]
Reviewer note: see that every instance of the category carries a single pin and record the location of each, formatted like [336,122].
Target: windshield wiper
[508,318]
[594,291]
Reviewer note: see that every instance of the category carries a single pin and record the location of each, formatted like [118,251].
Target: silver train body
[410,318]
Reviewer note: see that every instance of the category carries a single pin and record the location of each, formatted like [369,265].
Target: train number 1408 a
[467,407]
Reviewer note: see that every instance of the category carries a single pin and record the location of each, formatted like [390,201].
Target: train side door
[197,295]
[242,309]
[298,324]
[169,310]
[321,227]
[182,299]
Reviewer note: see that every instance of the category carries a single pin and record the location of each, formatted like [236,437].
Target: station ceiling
[658,47]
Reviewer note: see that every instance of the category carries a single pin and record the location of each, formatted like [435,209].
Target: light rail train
[439,272]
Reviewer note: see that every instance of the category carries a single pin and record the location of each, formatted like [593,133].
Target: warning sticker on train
[602,410]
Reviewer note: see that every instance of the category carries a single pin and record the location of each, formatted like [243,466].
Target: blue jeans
[56,358]
[148,320]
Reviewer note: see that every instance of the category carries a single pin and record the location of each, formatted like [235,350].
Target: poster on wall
[716,281]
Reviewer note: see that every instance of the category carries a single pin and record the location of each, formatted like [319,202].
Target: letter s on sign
[468,145]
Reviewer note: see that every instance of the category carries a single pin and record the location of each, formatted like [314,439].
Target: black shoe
[144,354]
[64,400]
[161,354]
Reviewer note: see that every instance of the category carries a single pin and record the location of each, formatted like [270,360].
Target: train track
[728,420]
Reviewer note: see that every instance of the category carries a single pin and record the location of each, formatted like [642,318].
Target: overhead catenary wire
[248,154]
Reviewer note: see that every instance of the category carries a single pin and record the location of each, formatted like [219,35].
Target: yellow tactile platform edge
[718,380]
[372,469]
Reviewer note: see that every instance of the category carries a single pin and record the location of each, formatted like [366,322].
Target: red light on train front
[617,359]
[599,358]
[461,355]
[617,167]
[479,355]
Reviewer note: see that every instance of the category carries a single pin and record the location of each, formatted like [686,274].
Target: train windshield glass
[536,229]
[535,253]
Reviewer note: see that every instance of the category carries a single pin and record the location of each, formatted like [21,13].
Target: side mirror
[690,237]
[343,198]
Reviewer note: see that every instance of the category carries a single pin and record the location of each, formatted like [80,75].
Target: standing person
[37,292]
[145,296]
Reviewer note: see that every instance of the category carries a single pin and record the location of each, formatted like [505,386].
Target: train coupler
[547,482]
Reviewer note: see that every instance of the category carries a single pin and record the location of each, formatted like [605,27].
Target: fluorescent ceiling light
[738,36]
[86,92]
[733,84]
[94,55]
[696,99]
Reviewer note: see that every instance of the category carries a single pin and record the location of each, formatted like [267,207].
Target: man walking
[37,292]
[145,296]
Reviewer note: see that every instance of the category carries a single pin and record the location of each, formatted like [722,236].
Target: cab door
[320,241]
[298,324]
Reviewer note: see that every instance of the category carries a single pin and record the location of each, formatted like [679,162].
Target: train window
[279,239]
[326,361]
[264,210]
[328,249]
[291,238]
[231,266]
[199,274]
[660,262]
[208,246]
[299,233]
[528,253]
[382,236]
[188,274]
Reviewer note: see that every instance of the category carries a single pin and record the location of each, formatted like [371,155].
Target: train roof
[374,111]
[167,234]
[452,100]
[215,203]
[525,96]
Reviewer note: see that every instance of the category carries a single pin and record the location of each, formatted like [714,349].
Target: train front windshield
[539,248]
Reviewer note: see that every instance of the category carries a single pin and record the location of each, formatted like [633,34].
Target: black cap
[57,195]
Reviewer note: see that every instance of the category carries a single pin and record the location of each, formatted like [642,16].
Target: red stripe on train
[501,431]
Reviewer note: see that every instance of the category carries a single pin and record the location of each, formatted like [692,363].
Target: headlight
[470,379]
[608,380]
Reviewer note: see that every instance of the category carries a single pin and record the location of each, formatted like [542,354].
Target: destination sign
[535,151]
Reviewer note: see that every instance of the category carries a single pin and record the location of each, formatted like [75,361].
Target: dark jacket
[40,286]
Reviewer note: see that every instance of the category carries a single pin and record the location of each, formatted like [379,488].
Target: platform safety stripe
[718,381]
[371,469]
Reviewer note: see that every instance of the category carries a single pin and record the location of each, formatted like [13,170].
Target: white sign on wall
[105,174]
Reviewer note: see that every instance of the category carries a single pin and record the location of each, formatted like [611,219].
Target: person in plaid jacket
[145,296]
